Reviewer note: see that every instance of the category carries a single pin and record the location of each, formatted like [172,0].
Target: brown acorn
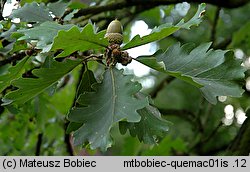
[114,32]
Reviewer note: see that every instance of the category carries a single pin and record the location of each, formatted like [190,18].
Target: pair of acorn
[115,38]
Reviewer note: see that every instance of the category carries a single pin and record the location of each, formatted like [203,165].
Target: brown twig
[154,3]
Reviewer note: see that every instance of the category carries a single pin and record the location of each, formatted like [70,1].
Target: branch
[67,140]
[160,86]
[212,134]
[12,58]
[39,144]
[216,19]
[184,114]
[2,2]
[214,151]
[240,145]
[223,45]
[154,3]
[67,137]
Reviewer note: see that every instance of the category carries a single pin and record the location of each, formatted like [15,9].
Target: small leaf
[70,15]
[195,20]
[165,30]
[215,72]
[150,129]
[58,8]
[14,72]
[32,12]
[112,102]
[76,40]
[30,87]
[44,33]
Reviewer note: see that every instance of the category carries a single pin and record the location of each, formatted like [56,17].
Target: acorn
[114,32]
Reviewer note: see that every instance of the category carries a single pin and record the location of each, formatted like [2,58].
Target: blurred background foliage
[198,128]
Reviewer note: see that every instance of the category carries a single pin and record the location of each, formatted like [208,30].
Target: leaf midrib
[113,94]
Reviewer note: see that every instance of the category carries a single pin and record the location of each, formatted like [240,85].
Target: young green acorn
[114,32]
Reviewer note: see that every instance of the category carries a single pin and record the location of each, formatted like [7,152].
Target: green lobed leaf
[165,30]
[30,87]
[215,72]
[151,127]
[32,12]
[79,40]
[112,102]
[13,73]
[44,33]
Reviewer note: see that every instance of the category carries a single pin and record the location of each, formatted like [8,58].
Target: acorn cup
[114,32]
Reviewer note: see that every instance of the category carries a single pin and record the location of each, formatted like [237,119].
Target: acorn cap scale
[114,32]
